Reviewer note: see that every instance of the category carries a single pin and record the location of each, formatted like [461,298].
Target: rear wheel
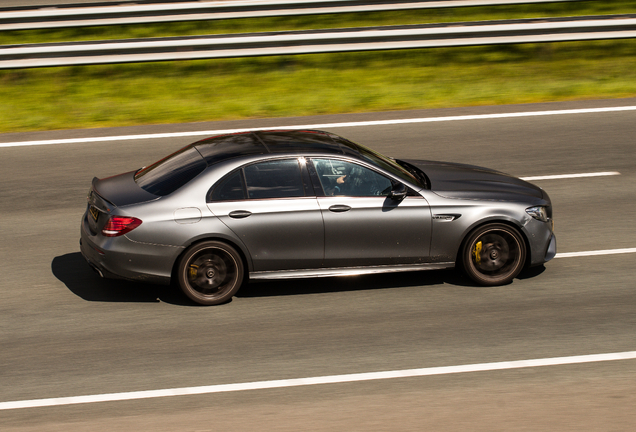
[210,273]
[494,254]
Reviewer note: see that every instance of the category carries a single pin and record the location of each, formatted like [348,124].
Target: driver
[349,183]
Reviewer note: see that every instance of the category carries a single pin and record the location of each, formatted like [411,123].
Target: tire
[493,254]
[210,272]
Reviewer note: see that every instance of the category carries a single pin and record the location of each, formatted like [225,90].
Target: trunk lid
[109,193]
[121,190]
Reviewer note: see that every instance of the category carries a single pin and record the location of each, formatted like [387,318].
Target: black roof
[223,147]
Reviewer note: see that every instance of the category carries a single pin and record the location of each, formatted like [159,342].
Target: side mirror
[398,193]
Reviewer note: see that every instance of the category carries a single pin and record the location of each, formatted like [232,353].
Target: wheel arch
[247,263]
[495,219]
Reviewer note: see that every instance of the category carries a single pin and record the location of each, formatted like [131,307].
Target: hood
[455,180]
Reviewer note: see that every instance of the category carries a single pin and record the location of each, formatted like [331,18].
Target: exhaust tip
[96,270]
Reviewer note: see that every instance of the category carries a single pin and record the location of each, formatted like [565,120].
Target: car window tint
[381,161]
[229,188]
[342,178]
[172,172]
[274,179]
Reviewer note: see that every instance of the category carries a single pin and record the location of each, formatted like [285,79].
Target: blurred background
[99,95]
[264,86]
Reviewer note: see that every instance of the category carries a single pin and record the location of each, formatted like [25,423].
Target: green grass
[99,96]
[167,92]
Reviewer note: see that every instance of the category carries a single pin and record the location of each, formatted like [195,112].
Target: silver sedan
[297,204]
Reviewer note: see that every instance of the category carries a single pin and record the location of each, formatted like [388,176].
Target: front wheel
[494,254]
[210,272]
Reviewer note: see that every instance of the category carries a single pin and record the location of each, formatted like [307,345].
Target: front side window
[342,178]
[381,161]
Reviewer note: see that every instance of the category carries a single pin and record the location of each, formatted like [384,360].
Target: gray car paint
[280,234]
[290,236]
[376,231]
[454,180]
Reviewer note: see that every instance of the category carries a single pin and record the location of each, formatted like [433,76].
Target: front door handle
[239,214]
[339,208]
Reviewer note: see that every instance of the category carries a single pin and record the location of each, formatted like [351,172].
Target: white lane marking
[568,176]
[594,253]
[320,126]
[332,379]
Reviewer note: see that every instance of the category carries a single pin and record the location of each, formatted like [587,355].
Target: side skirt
[347,271]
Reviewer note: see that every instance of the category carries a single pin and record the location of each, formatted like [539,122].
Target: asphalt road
[64,332]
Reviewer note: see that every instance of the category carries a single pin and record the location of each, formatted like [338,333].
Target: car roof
[223,147]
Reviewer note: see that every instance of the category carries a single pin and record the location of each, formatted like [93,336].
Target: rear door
[271,207]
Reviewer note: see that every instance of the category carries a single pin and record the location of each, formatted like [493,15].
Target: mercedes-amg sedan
[295,204]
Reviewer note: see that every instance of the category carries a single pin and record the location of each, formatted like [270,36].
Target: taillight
[120,225]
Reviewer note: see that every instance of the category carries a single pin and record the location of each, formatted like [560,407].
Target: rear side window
[171,173]
[274,179]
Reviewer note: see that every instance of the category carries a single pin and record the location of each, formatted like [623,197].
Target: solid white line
[568,176]
[319,126]
[594,253]
[260,385]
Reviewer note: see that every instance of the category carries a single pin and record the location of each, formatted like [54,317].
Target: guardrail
[319,41]
[48,17]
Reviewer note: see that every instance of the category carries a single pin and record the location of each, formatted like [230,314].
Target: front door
[363,226]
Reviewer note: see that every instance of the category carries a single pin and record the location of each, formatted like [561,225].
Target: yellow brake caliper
[477,252]
[193,270]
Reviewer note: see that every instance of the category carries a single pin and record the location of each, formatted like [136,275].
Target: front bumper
[552,249]
[541,241]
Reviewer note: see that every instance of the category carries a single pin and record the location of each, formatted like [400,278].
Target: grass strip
[190,91]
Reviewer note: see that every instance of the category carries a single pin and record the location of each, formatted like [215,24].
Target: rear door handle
[239,214]
[339,208]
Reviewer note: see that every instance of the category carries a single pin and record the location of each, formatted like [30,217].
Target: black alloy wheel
[494,254]
[210,272]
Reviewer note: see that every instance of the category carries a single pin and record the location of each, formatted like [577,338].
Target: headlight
[538,212]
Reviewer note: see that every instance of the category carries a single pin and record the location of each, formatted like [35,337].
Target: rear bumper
[91,255]
[121,258]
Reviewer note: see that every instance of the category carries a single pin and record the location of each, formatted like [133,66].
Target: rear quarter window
[230,188]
